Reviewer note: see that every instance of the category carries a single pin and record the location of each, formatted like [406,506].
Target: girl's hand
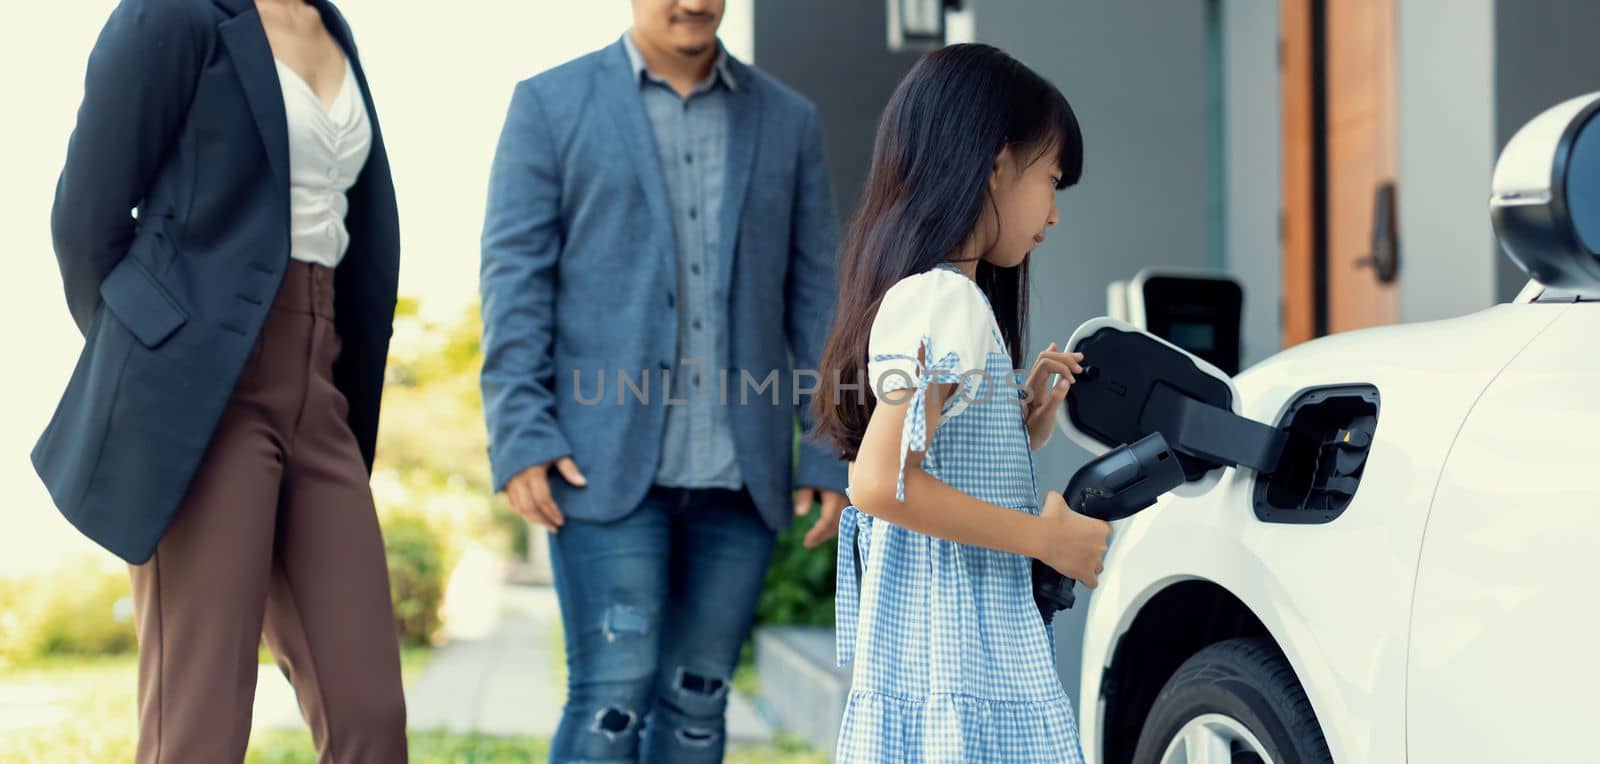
[1075,545]
[1045,399]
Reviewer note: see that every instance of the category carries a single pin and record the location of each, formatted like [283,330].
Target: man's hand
[529,492]
[827,525]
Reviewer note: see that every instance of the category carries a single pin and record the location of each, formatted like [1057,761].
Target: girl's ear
[1002,161]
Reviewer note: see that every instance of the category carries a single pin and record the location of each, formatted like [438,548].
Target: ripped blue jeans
[655,607]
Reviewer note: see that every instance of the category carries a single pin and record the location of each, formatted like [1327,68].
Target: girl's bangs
[1057,133]
[1068,140]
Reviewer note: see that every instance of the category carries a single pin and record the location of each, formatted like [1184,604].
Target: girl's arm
[1067,541]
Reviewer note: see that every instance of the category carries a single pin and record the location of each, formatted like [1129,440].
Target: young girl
[952,660]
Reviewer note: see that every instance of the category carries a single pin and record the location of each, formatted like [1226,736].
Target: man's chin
[697,49]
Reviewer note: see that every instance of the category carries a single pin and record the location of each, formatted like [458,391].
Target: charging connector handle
[1216,435]
[1123,481]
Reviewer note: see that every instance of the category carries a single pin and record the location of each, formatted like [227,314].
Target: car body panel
[1335,596]
[1504,637]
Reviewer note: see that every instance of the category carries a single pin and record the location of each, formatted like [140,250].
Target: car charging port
[1330,433]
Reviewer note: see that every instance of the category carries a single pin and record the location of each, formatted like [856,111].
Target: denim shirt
[691,141]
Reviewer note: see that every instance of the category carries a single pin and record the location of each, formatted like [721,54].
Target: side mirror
[1546,196]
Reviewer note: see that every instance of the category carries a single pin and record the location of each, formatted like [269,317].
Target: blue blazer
[579,272]
[183,119]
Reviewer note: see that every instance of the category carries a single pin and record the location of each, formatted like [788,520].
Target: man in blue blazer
[658,261]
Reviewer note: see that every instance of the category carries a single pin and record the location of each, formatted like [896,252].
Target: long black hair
[936,147]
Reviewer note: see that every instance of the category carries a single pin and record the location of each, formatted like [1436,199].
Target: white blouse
[327,149]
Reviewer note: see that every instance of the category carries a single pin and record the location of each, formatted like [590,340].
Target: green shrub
[505,531]
[417,572]
[80,609]
[800,582]
[85,608]
[799,586]
[87,622]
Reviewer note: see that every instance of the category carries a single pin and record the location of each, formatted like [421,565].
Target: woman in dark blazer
[227,236]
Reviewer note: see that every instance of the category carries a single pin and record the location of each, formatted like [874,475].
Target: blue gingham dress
[952,661]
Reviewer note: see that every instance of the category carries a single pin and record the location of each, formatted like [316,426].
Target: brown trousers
[278,536]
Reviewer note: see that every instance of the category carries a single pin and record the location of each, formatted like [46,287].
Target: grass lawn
[284,747]
[66,710]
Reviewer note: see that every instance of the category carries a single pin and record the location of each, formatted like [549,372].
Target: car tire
[1240,696]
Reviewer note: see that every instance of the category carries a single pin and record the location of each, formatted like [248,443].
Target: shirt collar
[722,69]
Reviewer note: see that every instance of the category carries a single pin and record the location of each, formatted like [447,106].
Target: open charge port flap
[1141,385]
[1307,466]
[1330,434]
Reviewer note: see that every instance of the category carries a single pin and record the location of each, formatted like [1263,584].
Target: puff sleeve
[931,328]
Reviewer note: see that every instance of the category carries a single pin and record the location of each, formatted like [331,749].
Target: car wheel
[1235,702]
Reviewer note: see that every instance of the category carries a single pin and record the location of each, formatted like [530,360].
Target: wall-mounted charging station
[1199,311]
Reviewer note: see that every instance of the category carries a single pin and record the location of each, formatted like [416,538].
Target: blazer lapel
[246,41]
[744,134]
[619,88]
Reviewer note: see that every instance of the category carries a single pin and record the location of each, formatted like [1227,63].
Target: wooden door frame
[1326,232]
[1302,232]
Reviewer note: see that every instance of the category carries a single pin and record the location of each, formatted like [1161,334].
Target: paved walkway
[500,671]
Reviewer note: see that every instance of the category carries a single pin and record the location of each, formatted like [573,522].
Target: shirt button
[694,268]
[333,173]
[688,159]
[696,324]
[693,213]
[671,300]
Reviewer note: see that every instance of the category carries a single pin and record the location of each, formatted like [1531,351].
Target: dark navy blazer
[183,120]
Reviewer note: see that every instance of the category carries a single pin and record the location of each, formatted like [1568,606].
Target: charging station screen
[1200,315]
[1194,337]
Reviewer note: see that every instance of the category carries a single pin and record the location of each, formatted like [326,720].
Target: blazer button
[672,300]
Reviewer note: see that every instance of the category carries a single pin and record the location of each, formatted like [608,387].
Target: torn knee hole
[698,737]
[624,620]
[710,687]
[614,721]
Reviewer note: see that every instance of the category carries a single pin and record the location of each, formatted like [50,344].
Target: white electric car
[1387,547]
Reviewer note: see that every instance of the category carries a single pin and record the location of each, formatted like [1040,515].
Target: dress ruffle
[957,729]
